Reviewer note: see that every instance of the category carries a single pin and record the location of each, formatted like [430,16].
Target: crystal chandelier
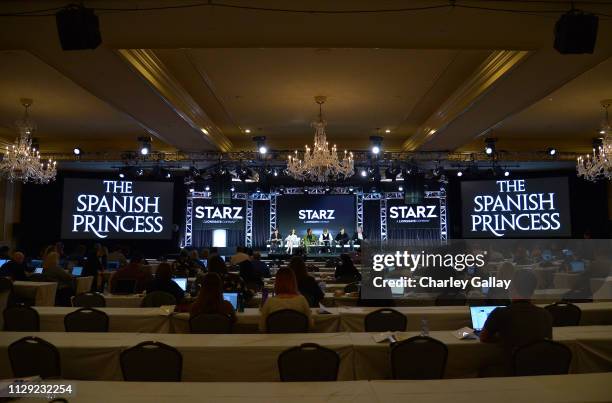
[321,164]
[598,165]
[22,161]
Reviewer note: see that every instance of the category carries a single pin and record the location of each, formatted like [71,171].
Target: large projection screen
[116,209]
[317,212]
[516,208]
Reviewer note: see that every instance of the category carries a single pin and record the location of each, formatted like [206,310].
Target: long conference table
[342,319]
[580,388]
[253,357]
[43,292]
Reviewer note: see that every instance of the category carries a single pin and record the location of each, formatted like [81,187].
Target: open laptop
[112,265]
[204,262]
[547,255]
[232,297]
[38,270]
[182,282]
[2,262]
[479,316]
[397,291]
[36,263]
[77,271]
[577,266]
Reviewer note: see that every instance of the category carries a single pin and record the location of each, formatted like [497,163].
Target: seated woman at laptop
[53,272]
[163,282]
[287,297]
[210,298]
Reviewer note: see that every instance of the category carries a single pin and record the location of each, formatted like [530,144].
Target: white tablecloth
[234,357]
[591,349]
[83,284]
[43,293]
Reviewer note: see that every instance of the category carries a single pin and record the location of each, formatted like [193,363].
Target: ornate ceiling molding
[489,72]
[154,72]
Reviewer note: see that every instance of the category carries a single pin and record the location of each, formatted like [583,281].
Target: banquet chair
[7,295]
[543,357]
[86,320]
[308,362]
[211,324]
[564,314]
[21,318]
[418,357]
[384,320]
[151,361]
[89,300]
[31,356]
[287,321]
[156,299]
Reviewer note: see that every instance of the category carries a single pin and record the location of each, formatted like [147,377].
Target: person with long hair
[52,271]
[346,270]
[307,285]
[231,281]
[287,296]
[210,298]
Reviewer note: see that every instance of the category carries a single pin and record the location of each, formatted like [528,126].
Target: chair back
[89,300]
[418,357]
[124,286]
[564,314]
[385,320]
[308,363]
[31,356]
[287,321]
[211,323]
[151,361]
[352,287]
[6,284]
[156,299]
[21,318]
[543,357]
[86,320]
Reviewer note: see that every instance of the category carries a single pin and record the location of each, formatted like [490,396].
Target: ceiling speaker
[576,32]
[78,28]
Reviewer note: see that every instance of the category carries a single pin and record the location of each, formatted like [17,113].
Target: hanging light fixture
[320,164]
[598,165]
[22,161]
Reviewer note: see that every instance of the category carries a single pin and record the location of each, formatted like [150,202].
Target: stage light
[400,188]
[168,175]
[260,141]
[144,145]
[247,131]
[191,190]
[392,173]
[121,175]
[140,172]
[460,173]
[388,131]
[233,189]
[351,189]
[551,151]
[490,146]
[363,173]
[258,190]
[376,144]
[194,172]
[77,151]
[506,173]
[275,172]
[207,188]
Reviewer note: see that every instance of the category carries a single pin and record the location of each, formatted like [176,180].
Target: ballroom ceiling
[197,79]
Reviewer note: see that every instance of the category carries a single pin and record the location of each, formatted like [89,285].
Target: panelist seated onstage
[325,240]
[358,236]
[518,324]
[310,239]
[276,240]
[341,238]
[292,242]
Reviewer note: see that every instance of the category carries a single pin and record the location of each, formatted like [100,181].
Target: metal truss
[443,218]
[188,240]
[383,219]
[248,231]
[360,210]
[272,212]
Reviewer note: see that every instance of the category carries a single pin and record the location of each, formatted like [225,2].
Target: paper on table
[391,337]
[322,309]
[167,310]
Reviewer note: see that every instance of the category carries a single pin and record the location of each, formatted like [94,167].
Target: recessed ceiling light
[247,130]
[77,151]
[388,131]
[204,131]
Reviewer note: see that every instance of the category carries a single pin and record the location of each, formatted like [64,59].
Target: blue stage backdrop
[318,212]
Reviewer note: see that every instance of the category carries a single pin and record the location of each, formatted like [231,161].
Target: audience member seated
[250,275]
[194,259]
[307,285]
[260,266]
[287,297]
[133,271]
[53,272]
[521,257]
[117,255]
[92,267]
[4,252]
[15,268]
[231,282]
[210,298]
[346,272]
[183,266]
[163,282]
[498,295]
[521,322]
[239,257]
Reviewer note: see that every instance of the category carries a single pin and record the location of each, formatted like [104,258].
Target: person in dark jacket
[307,285]
[163,282]
[15,268]
[346,270]
[92,267]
